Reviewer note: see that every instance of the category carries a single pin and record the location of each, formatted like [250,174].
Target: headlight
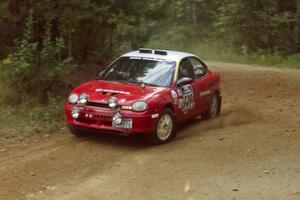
[73,98]
[112,102]
[83,98]
[139,106]
[75,113]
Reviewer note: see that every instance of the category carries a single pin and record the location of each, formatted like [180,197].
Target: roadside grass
[27,119]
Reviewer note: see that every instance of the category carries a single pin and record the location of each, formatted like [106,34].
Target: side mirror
[184,81]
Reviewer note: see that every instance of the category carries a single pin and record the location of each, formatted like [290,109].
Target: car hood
[102,91]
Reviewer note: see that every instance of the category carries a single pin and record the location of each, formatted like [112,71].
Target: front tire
[165,128]
[214,107]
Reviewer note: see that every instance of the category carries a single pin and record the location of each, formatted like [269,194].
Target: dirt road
[252,151]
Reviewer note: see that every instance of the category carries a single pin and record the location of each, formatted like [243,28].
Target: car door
[202,84]
[187,92]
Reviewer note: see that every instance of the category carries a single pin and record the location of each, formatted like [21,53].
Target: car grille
[96,104]
[94,118]
[102,117]
[86,120]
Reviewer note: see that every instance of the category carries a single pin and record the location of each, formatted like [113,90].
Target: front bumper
[101,119]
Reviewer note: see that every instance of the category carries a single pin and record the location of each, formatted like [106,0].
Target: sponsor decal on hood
[111,91]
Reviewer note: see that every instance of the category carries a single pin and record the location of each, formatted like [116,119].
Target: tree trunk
[187,11]
[42,95]
[136,41]
[297,28]
[14,7]
[111,36]
[194,12]
[70,44]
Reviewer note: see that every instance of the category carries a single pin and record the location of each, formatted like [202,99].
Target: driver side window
[186,69]
[199,68]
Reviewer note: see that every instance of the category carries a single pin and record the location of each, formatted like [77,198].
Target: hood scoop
[104,93]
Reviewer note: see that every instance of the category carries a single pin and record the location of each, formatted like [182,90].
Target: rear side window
[199,67]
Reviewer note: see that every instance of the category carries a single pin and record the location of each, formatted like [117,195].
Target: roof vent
[159,52]
[146,51]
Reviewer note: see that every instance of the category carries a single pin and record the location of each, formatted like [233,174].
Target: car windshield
[141,70]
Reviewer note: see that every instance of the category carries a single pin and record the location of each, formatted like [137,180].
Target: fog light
[117,118]
[83,99]
[75,113]
[112,102]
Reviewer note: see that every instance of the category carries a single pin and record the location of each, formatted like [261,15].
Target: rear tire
[77,131]
[165,128]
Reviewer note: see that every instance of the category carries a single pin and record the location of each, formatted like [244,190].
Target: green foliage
[260,26]
[261,32]
[94,31]
[34,69]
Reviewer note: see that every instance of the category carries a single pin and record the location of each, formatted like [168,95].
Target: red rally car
[145,91]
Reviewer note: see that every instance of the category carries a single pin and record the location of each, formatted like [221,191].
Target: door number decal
[187,102]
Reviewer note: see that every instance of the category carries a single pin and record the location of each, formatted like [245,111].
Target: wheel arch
[218,92]
[170,106]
